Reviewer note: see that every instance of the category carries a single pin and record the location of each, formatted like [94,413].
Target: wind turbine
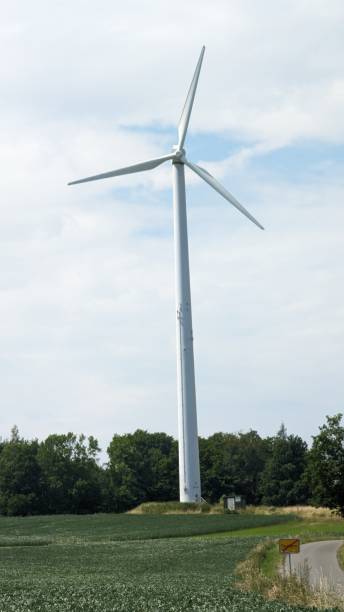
[189,470]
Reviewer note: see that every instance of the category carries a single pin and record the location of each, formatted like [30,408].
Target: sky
[87,312]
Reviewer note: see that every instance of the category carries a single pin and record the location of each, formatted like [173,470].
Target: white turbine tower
[189,471]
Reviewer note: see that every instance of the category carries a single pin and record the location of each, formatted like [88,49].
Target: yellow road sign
[289,545]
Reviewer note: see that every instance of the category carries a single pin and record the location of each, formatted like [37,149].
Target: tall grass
[176,507]
[307,512]
[340,556]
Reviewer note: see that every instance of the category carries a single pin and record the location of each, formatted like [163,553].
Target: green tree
[326,465]
[20,485]
[71,477]
[232,463]
[142,467]
[283,482]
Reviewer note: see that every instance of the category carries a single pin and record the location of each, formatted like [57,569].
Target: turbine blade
[208,178]
[140,167]
[186,112]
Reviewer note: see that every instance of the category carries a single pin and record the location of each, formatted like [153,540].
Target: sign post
[289,546]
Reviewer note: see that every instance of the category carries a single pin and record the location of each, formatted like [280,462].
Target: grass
[306,512]
[341,557]
[177,508]
[271,560]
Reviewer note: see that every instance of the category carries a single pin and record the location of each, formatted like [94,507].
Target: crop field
[126,563]
[117,527]
[308,530]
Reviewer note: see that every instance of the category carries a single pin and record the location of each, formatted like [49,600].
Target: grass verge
[341,557]
[261,573]
[175,507]
[304,512]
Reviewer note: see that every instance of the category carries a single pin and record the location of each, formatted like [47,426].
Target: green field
[305,529]
[118,527]
[106,563]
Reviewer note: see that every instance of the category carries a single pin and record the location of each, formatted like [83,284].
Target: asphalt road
[321,559]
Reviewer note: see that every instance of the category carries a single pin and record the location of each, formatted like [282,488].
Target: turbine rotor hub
[179,154]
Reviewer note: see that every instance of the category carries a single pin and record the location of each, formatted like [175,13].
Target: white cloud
[272,69]
[87,303]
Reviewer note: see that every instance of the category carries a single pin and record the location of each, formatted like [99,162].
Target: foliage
[326,465]
[283,482]
[61,474]
[232,462]
[20,487]
[70,474]
[57,475]
[142,467]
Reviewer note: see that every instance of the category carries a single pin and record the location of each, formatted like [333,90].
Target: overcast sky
[87,313]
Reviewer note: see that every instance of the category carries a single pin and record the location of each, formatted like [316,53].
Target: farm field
[133,563]
[308,530]
[118,527]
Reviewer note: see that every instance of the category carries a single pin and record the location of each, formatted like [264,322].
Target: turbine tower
[189,470]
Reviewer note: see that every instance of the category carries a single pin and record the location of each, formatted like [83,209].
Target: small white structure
[234,502]
[189,472]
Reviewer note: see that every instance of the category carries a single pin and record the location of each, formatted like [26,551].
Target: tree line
[62,474]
